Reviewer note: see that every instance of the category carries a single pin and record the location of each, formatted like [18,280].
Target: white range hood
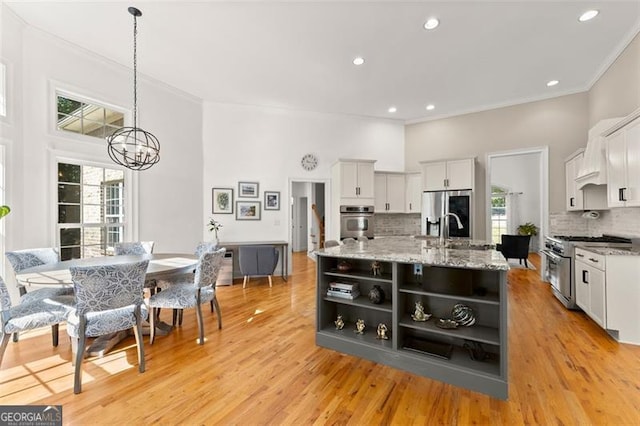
[594,164]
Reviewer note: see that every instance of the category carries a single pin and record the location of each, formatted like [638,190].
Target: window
[3,90]
[91,216]
[86,118]
[498,213]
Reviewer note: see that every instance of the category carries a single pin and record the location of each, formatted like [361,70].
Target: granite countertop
[613,251]
[414,250]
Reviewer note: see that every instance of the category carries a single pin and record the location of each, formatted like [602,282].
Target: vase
[376,295]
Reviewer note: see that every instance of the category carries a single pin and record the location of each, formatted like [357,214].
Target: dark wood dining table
[161,266]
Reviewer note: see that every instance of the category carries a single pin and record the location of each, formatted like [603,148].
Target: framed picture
[247,189]
[272,200]
[222,199]
[248,210]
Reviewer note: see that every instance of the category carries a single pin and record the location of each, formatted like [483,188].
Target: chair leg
[54,334]
[175,317]
[137,331]
[270,283]
[526,264]
[152,324]
[215,302]
[212,307]
[4,341]
[16,337]
[200,324]
[77,381]
[244,283]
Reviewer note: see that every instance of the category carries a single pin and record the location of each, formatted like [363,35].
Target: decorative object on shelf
[309,162]
[528,229]
[214,226]
[419,314]
[222,200]
[339,322]
[248,189]
[382,332]
[359,327]
[446,323]
[248,210]
[376,268]
[133,147]
[463,315]
[272,200]
[476,351]
[376,295]
[344,266]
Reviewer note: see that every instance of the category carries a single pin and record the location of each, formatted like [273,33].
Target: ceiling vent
[594,164]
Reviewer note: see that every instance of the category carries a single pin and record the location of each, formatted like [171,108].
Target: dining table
[162,266]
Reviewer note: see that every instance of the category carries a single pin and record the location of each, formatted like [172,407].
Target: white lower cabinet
[590,285]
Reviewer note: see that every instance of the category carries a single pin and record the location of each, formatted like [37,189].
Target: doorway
[517,192]
[299,225]
[308,214]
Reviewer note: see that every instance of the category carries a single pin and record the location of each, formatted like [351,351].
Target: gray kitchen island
[410,272]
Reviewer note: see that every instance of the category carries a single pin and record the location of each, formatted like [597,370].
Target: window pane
[68,193]
[93,236]
[92,175]
[68,106]
[68,173]
[69,123]
[68,253]
[69,237]
[93,251]
[87,118]
[68,214]
[92,213]
[114,175]
[92,194]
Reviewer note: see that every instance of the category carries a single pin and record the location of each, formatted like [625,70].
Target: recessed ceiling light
[588,15]
[431,23]
[358,61]
[430,107]
[392,109]
[552,83]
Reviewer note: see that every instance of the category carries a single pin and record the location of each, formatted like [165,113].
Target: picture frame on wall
[272,200]
[248,210]
[222,200]
[248,189]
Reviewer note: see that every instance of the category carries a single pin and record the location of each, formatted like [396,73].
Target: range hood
[593,170]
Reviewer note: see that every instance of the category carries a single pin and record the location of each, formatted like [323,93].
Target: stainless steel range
[559,262]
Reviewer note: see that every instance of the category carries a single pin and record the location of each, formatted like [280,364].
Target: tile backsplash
[388,224]
[622,222]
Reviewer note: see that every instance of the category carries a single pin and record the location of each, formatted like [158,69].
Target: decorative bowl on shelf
[446,323]
[344,266]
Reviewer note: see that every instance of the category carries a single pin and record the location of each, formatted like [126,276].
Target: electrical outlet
[417,269]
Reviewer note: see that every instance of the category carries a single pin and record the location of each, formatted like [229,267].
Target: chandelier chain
[135,71]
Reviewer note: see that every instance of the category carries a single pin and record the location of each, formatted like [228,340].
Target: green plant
[528,229]
[214,226]
[4,210]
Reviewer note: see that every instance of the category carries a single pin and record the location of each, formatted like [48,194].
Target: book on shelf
[341,290]
[344,286]
[350,296]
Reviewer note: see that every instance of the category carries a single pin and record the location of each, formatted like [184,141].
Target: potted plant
[4,210]
[214,226]
[528,229]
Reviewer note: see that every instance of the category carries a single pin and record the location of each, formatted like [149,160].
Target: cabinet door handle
[571,202]
[357,190]
[410,207]
[579,255]
[621,194]
[593,260]
[585,276]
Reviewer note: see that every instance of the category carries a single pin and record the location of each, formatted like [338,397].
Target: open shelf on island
[489,298]
[476,333]
[361,301]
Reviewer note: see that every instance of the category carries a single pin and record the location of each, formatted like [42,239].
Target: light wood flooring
[263,367]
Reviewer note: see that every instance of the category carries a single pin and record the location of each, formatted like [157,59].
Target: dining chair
[362,239]
[133,248]
[109,298]
[257,260]
[29,258]
[349,241]
[331,243]
[30,315]
[193,293]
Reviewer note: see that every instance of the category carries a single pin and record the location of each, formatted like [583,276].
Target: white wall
[266,145]
[169,202]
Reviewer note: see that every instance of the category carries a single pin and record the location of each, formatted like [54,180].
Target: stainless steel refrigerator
[435,204]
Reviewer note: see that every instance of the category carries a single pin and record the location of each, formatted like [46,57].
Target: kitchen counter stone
[612,251]
[416,250]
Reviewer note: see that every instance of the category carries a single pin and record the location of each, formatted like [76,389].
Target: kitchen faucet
[445,227]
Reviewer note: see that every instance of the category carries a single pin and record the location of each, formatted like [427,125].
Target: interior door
[300,228]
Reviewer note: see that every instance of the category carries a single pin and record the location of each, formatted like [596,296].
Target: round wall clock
[309,162]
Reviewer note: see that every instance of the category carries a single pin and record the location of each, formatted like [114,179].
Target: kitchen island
[410,272]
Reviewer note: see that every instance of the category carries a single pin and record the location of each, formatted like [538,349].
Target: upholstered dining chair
[109,298]
[30,315]
[192,294]
[134,248]
[331,243]
[349,241]
[257,260]
[29,258]
[515,247]
[362,239]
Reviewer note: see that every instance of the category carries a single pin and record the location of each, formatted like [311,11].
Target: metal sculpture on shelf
[419,314]
[376,268]
[360,327]
[382,332]
[133,147]
[339,322]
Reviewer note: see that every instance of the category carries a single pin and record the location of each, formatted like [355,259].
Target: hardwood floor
[263,367]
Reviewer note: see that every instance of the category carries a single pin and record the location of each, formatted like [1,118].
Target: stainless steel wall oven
[356,221]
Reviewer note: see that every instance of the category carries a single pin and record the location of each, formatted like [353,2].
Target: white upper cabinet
[355,181]
[389,191]
[574,200]
[448,175]
[413,194]
[623,165]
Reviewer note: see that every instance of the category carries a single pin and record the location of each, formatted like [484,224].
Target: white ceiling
[299,54]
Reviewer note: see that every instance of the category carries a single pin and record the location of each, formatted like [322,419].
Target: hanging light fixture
[133,147]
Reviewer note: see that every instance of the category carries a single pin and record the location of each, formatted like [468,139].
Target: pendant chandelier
[133,147]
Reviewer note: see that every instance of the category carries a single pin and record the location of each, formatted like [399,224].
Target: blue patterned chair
[191,294]
[30,315]
[109,298]
[134,248]
[29,258]
[257,260]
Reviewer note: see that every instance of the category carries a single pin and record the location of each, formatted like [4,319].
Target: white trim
[544,187]
[615,54]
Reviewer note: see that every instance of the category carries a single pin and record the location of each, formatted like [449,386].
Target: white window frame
[3,89]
